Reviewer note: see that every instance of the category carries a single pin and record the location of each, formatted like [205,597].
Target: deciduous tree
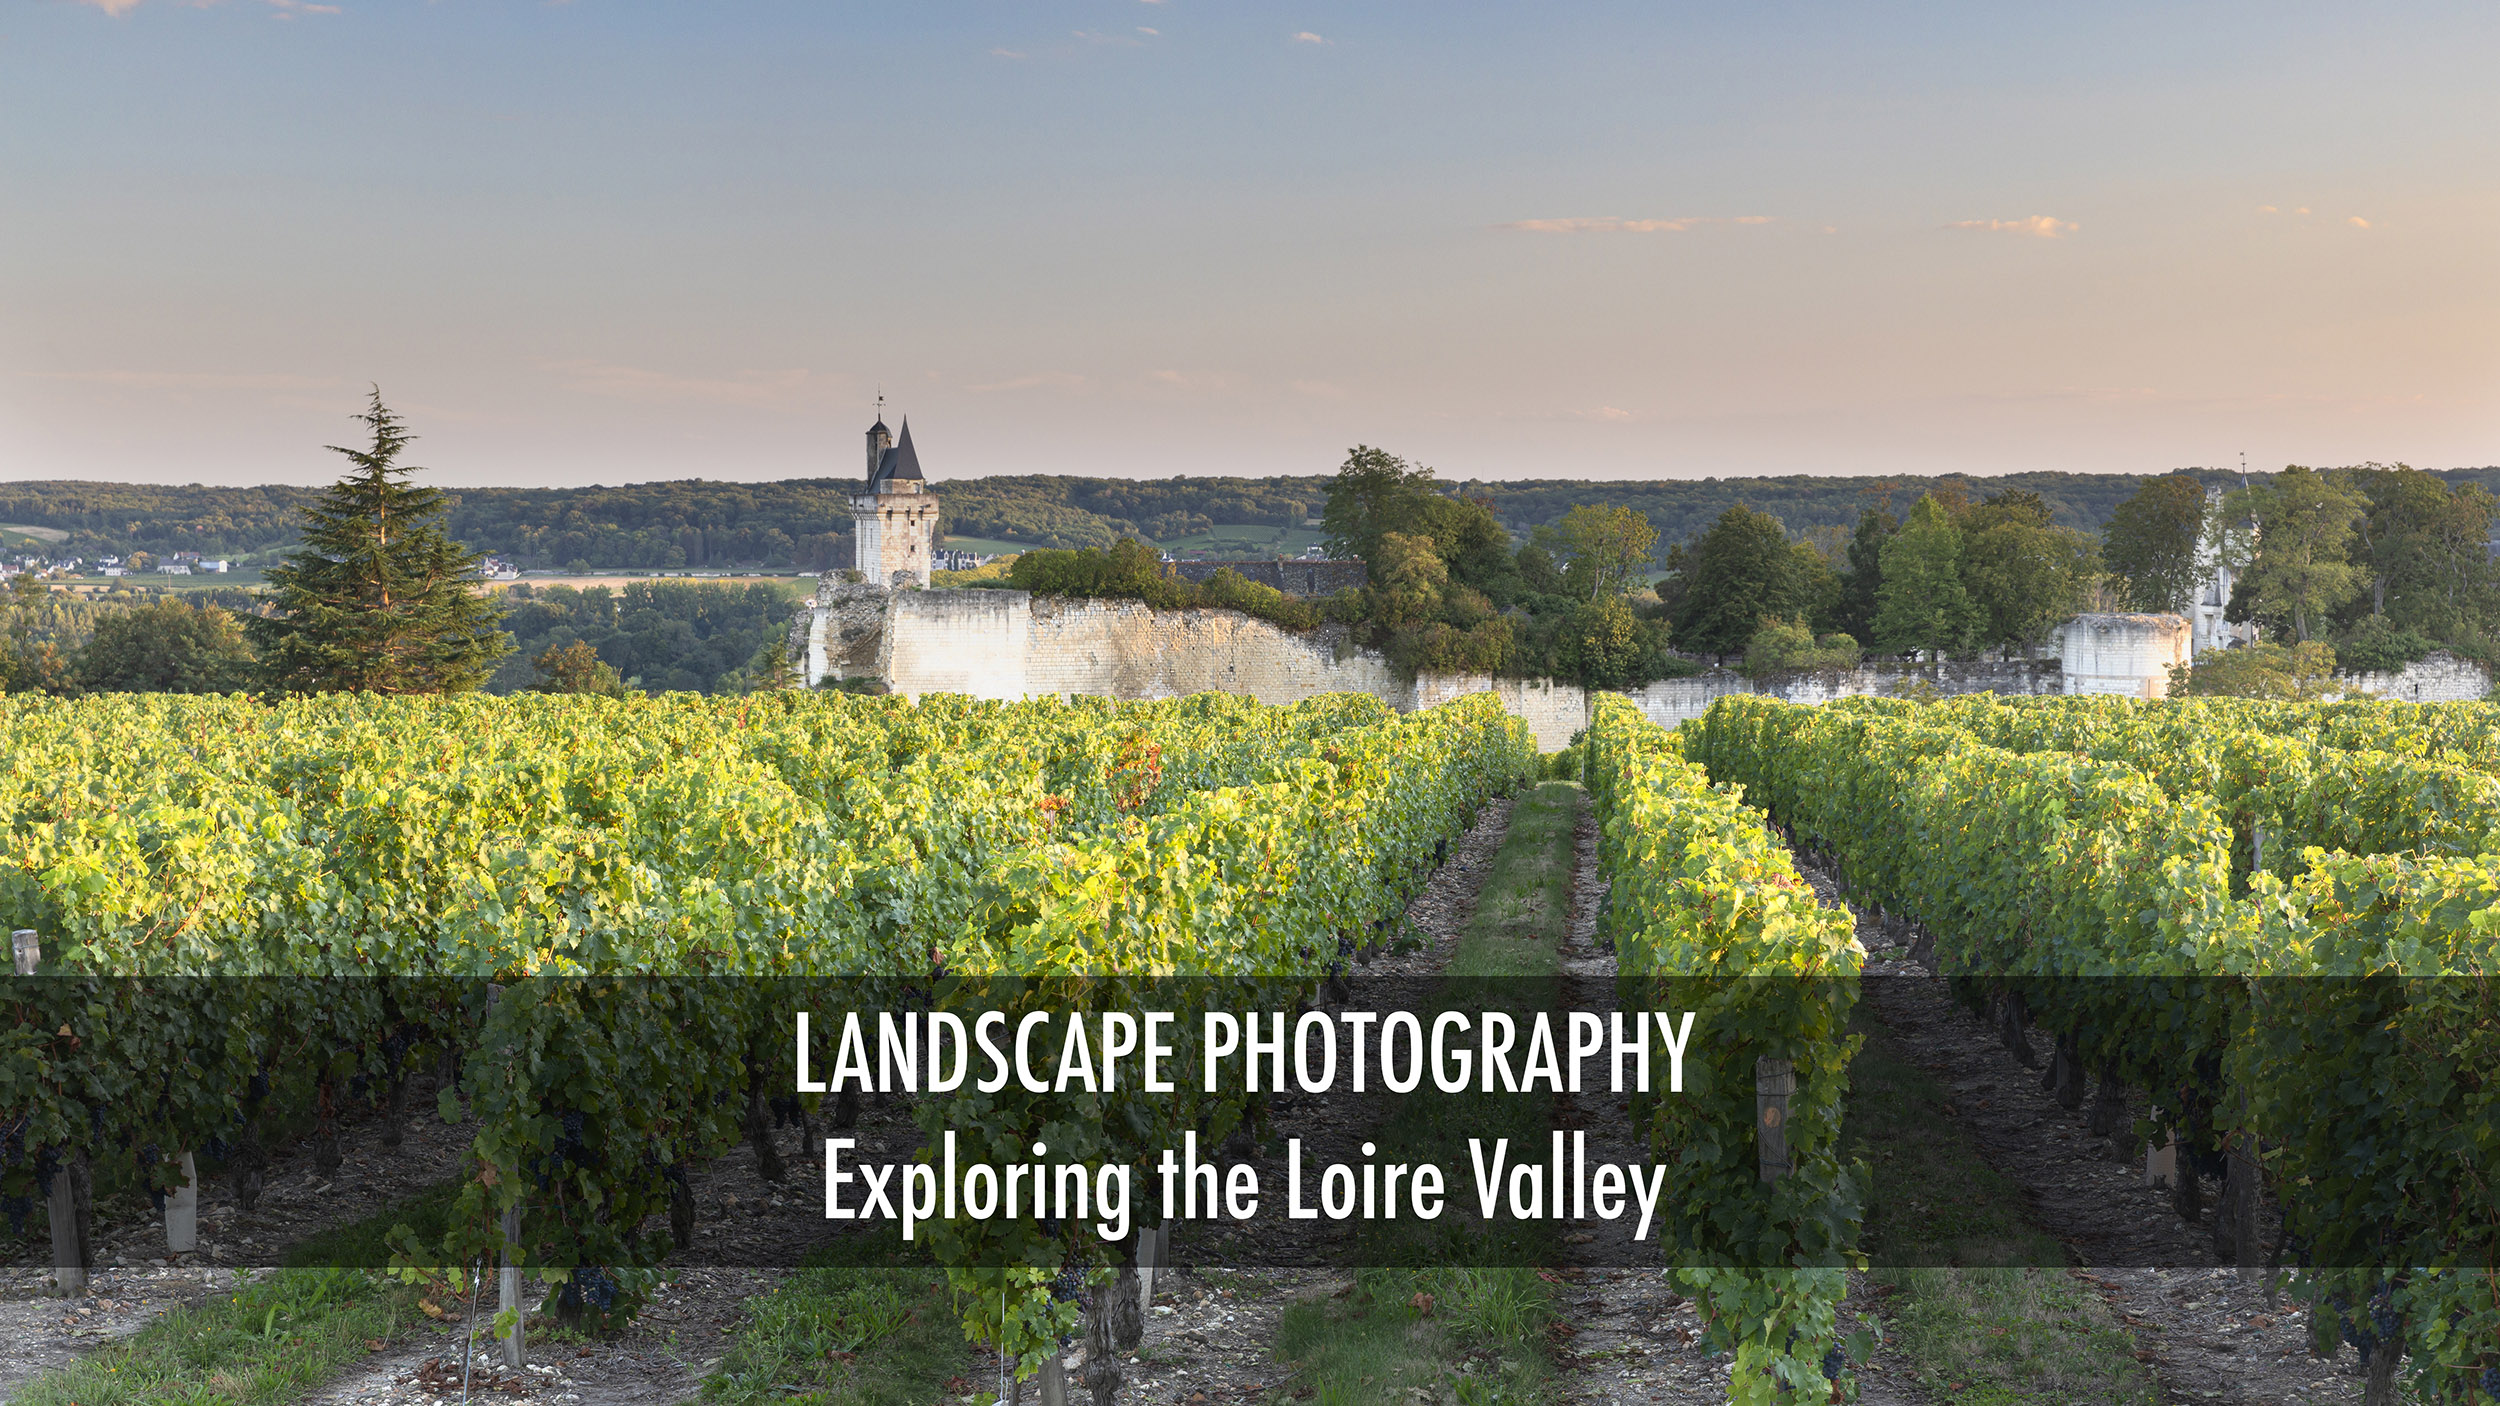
[576,668]
[2303,567]
[1741,570]
[1922,603]
[1606,547]
[2152,540]
[166,646]
[2422,550]
[1864,576]
[2023,574]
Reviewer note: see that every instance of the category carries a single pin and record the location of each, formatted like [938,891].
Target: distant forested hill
[805,523]
[688,523]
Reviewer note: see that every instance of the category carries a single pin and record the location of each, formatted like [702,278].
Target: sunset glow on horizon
[601,241]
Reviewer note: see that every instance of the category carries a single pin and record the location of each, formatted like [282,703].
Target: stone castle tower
[894,519]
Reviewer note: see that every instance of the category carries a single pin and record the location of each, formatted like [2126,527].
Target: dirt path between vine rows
[1211,1336]
[2211,1340]
[1633,1340]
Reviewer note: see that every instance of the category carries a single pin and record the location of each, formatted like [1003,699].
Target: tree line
[805,523]
[2379,564]
[1449,589]
[2366,568]
[2388,562]
[380,597]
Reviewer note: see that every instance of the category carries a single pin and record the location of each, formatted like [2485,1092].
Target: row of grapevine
[1707,914]
[1242,898]
[2333,1018]
[254,911]
[2281,790]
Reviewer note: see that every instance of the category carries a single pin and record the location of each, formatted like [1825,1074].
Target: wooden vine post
[1774,1080]
[69,1240]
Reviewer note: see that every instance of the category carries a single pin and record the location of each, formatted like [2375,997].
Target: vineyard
[248,914]
[2276,919]
[589,921]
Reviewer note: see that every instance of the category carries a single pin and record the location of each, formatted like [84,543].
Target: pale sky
[601,241]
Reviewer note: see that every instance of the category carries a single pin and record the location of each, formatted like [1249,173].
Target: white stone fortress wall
[1010,644]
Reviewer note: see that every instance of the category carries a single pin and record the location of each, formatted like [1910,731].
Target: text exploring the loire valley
[1170,1054]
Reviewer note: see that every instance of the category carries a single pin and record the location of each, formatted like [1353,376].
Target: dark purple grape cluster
[595,1287]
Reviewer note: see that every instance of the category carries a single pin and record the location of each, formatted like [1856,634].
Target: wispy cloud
[1195,382]
[1047,380]
[1616,224]
[2358,223]
[1307,37]
[1006,53]
[279,9]
[198,380]
[1586,414]
[2037,226]
[754,389]
[1155,32]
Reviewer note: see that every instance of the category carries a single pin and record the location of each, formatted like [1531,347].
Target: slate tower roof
[899,462]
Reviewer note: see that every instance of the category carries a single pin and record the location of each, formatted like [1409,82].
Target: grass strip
[1467,1315]
[1975,1295]
[269,1342]
[272,1339]
[845,1334]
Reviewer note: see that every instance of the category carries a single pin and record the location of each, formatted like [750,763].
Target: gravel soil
[40,1331]
[658,1361]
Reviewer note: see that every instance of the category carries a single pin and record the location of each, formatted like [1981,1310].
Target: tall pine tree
[378,599]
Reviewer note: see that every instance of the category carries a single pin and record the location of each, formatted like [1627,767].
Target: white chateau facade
[894,518]
[2208,630]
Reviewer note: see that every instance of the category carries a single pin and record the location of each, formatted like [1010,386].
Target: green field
[1253,540]
[986,546]
[20,538]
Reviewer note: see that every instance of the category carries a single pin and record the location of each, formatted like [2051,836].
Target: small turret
[879,441]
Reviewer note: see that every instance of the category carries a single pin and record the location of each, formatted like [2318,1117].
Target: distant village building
[894,521]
